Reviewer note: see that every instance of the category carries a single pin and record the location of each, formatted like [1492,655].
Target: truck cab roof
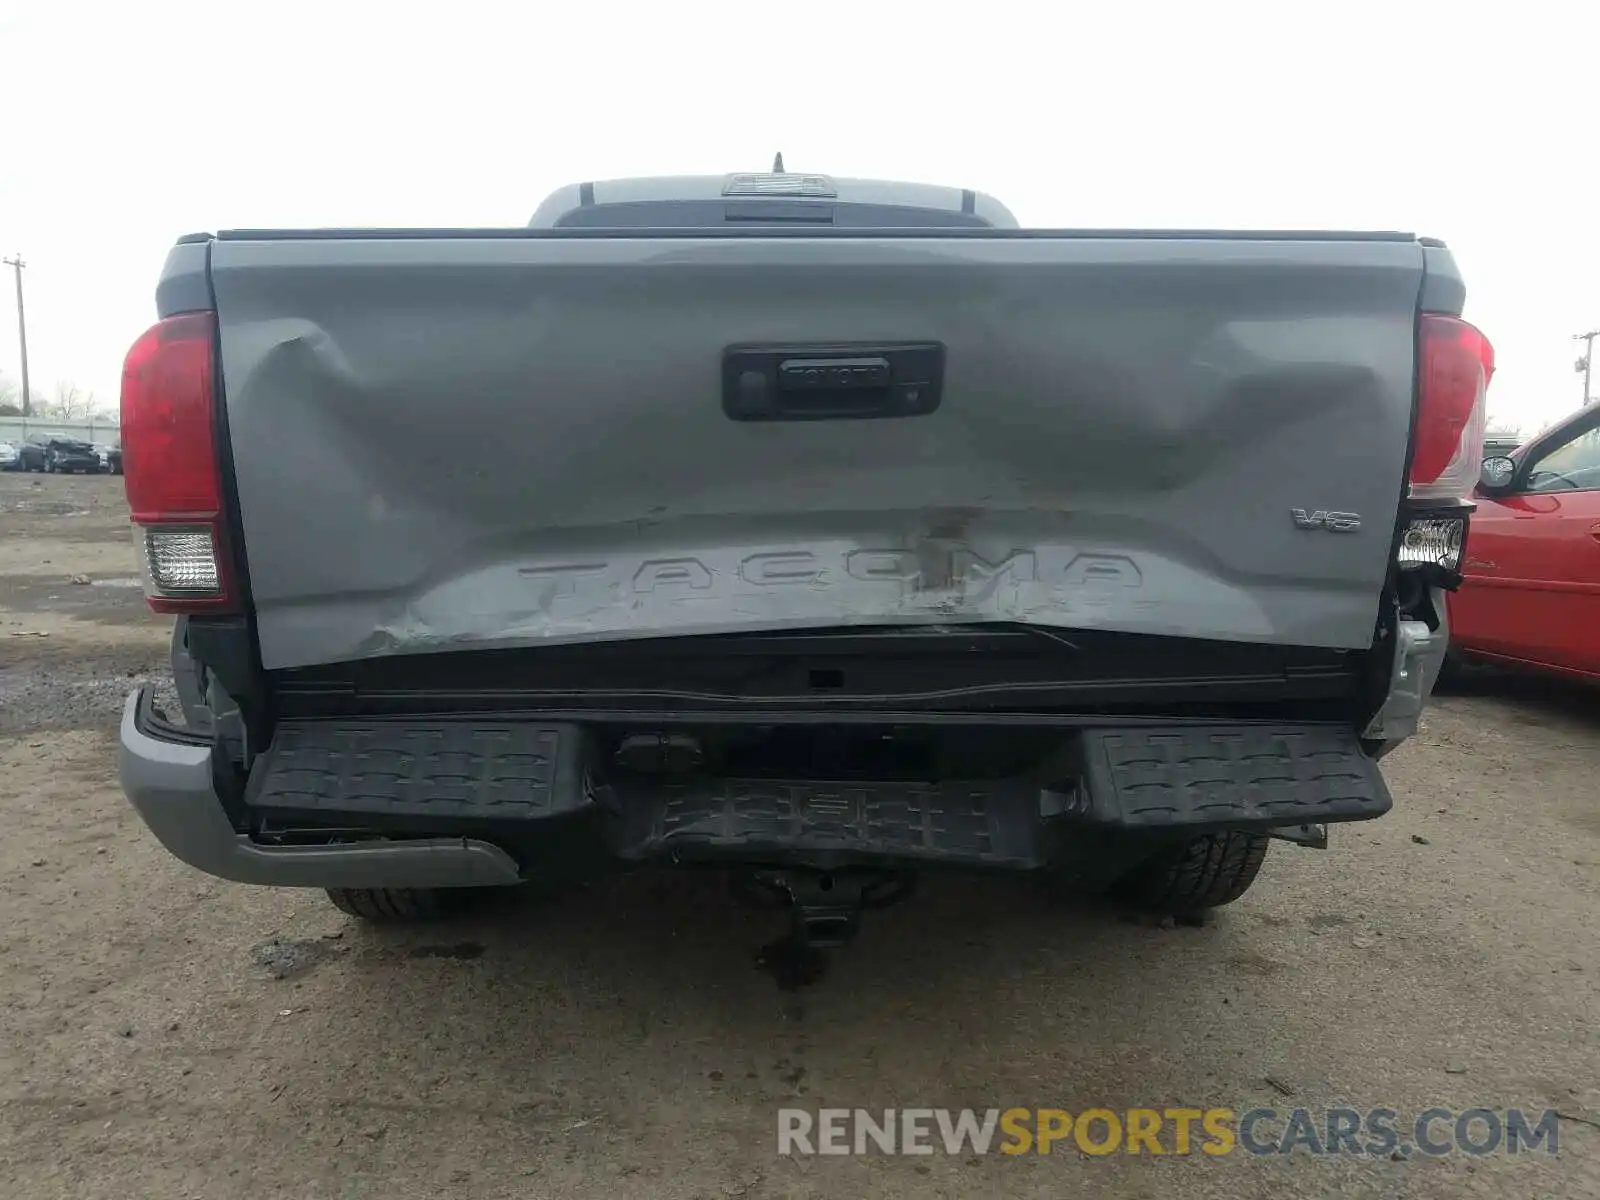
[775,199]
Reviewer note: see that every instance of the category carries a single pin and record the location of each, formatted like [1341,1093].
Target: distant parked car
[1531,590]
[41,452]
[110,457]
[30,454]
[10,457]
[68,455]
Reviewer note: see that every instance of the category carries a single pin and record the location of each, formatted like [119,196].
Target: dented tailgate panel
[447,443]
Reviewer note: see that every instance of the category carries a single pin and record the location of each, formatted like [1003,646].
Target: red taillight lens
[1455,363]
[169,464]
[169,459]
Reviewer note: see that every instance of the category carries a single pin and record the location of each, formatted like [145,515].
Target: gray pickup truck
[821,531]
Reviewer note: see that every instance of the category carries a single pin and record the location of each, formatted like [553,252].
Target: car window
[1573,466]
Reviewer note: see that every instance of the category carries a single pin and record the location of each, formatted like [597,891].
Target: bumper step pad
[1196,778]
[979,824]
[502,771]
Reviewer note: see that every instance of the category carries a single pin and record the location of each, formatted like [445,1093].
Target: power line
[16,264]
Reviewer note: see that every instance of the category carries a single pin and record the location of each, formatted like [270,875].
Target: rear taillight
[169,464]
[1454,366]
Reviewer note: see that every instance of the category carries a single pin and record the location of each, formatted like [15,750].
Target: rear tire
[390,906]
[1206,872]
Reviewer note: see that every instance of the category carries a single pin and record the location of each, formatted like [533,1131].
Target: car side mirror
[1496,473]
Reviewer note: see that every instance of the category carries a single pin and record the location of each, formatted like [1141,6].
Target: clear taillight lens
[1432,542]
[179,562]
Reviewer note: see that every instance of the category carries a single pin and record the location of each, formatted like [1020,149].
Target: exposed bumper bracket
[1418,657]
[1315,836]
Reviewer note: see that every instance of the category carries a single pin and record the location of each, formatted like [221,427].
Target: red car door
[1532,572]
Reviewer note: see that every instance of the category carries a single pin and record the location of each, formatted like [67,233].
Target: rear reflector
[1454,365]
[169,463]
[1432,542]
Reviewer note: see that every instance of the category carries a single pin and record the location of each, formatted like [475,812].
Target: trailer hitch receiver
[825,907]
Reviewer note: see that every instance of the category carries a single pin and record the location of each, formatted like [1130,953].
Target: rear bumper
[167,776]
[382,791]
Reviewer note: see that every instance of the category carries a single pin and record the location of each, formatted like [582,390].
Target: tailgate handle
[834,382]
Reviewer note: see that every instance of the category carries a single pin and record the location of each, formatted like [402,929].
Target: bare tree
[10,394]
[70,403]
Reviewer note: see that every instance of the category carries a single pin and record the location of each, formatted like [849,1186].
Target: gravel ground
[166,1034]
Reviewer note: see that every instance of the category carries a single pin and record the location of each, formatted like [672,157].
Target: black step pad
[977,824]
[1201,777]
[480,770]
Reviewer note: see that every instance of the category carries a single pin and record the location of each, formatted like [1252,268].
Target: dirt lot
[169,1035]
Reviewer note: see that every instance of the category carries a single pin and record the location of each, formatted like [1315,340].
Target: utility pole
[1586,362]
[16,264]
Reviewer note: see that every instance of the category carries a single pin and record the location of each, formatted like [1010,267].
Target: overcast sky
[128,126]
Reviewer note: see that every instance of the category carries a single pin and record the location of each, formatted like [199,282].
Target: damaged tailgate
[446,442]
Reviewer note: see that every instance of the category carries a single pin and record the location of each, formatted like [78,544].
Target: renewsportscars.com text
[1167,1131]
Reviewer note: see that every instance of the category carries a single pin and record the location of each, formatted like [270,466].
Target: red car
[1531,590]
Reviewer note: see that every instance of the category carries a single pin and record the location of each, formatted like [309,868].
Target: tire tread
[389,905]
[1206,872]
